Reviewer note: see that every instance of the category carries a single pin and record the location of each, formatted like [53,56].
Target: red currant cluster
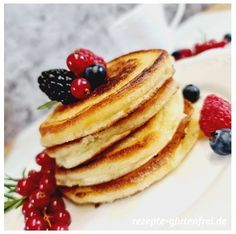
[89,69]
[201,47]
[43,206]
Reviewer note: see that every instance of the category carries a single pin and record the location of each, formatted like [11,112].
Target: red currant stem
[47,105]
[77,50]
[47,218]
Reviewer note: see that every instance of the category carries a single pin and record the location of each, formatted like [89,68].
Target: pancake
[154,170]
[74,153]
[132,80]
[131,152]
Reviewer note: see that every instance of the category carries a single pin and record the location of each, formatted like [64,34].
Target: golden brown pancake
[152,171]
[132,80]
[131,152]
[74,153]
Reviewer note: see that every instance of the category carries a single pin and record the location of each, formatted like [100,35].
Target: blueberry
[220,141]
[191,93]
[227,37]
[176,54]
[95,74]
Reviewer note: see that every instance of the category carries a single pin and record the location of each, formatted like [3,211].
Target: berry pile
[201,47]
[215,122]
[42,203]
[87,72]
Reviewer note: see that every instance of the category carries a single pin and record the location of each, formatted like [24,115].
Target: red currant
[59,227]
[47,184]
[61,216]
[77,62]
[220,44]
[199,48]
[43,159]
[39,199]
[34,176]
[80,88]
[36,223]
[27,207]
[25,186]
[32,214]
[56,204]
[211,44]
[47,170]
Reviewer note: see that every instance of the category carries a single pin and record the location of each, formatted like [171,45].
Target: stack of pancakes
[130,133]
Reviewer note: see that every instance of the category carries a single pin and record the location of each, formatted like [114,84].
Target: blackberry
[56,84]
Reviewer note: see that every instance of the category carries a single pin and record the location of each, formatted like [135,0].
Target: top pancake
[132,79]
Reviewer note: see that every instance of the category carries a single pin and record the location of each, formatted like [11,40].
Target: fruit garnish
[211,44]
[93,57]
[25,187]
[183,53]
[56,84]
[36,223]
[42,204]
[191,93]
[85,67]
[201,47]
[80,88]
[77,63]
[227,37]
[215,114]
[82,58]
[95,74]
[220,141]
[59,227]
[39,199]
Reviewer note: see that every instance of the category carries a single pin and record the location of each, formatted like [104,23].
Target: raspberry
[85,52]
[82,58]
[77,62]
[99,60]
[215,114]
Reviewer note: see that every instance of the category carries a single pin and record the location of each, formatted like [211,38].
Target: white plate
[170,197]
